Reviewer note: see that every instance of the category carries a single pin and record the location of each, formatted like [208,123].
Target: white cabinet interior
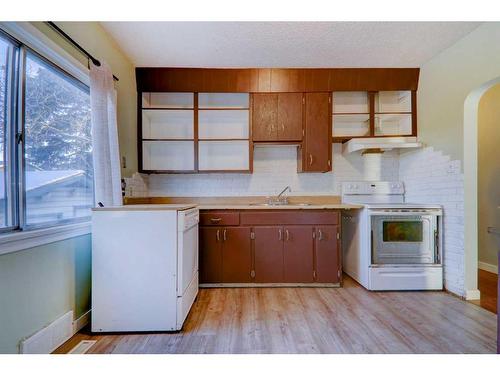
[223,155]
[393,113]
[168,155]
[223,124]
[189,132]
[393,102]
[167,100]
[231,100]
[224,132]
[167,124]
[351,114]
[393,124]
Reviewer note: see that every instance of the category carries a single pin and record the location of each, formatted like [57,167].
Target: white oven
[391,244]
[409,236]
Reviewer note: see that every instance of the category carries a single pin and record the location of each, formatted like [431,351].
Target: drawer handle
[218,235]
[215,219]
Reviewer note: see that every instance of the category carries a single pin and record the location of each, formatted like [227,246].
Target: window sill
[18,241]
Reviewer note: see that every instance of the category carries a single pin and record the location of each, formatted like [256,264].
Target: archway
[471,112]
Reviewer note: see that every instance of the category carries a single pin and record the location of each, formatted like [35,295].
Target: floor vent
[49,338]
[82,347]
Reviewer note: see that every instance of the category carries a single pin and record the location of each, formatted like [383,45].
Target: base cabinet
[298,254]
[225,255]
[210,255]
[292,247]
[236,255]
[326,251]
[268,251]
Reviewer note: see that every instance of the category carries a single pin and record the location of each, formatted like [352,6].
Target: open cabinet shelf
[195,133]
[373,114]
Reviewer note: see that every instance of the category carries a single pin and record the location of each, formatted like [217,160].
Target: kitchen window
[46,172]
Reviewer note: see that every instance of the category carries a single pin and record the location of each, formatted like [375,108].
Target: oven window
[402,231]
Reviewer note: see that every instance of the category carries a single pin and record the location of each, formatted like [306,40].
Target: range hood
[381,143]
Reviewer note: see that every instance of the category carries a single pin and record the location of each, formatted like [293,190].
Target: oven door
[404,239]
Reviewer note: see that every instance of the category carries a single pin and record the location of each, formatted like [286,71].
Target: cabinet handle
[320,237]
[215,219]
[224,235]
[280,235]
[310,159]
[217,235]
[287,235]
[283,127]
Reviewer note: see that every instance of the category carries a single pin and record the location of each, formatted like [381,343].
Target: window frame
[15,128]
[11,114]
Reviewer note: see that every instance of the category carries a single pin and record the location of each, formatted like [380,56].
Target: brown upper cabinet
[316,151]
[178,133]
[277,117]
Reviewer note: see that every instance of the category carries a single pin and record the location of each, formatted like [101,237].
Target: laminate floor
[315,320]
[487,285]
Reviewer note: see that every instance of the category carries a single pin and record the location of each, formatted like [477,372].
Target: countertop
[338,206]
[147,207]
[180,207]
[329,202]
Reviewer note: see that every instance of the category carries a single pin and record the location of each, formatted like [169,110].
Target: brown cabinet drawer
[289,217]
[220,218]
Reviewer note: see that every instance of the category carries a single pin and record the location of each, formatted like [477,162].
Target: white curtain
[105,151]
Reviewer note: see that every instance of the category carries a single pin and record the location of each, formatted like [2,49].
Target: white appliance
[144,267]
[391,244]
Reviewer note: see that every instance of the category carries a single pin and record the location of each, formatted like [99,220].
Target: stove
[391,244]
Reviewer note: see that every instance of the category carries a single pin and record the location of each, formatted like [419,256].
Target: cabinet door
[290,117]
[236,255]
[327,254]
[268,250]
[210,254]
[298,254]
[318,141]
[264,117]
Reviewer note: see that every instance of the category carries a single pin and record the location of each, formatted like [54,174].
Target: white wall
[445,82]
[274,168]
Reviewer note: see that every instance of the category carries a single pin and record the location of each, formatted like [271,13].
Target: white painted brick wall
[274,168]
[431,177]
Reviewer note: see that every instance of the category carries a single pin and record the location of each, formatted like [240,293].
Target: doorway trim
[471,110]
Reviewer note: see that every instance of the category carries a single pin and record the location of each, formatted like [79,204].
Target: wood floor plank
[315,320]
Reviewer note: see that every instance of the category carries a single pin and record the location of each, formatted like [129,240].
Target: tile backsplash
[274,168]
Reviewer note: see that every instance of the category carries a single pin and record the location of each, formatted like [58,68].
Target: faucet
[284,200]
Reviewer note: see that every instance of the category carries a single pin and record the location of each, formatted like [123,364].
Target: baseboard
[49,338]
[487,267]
[81,322]
[472,294]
